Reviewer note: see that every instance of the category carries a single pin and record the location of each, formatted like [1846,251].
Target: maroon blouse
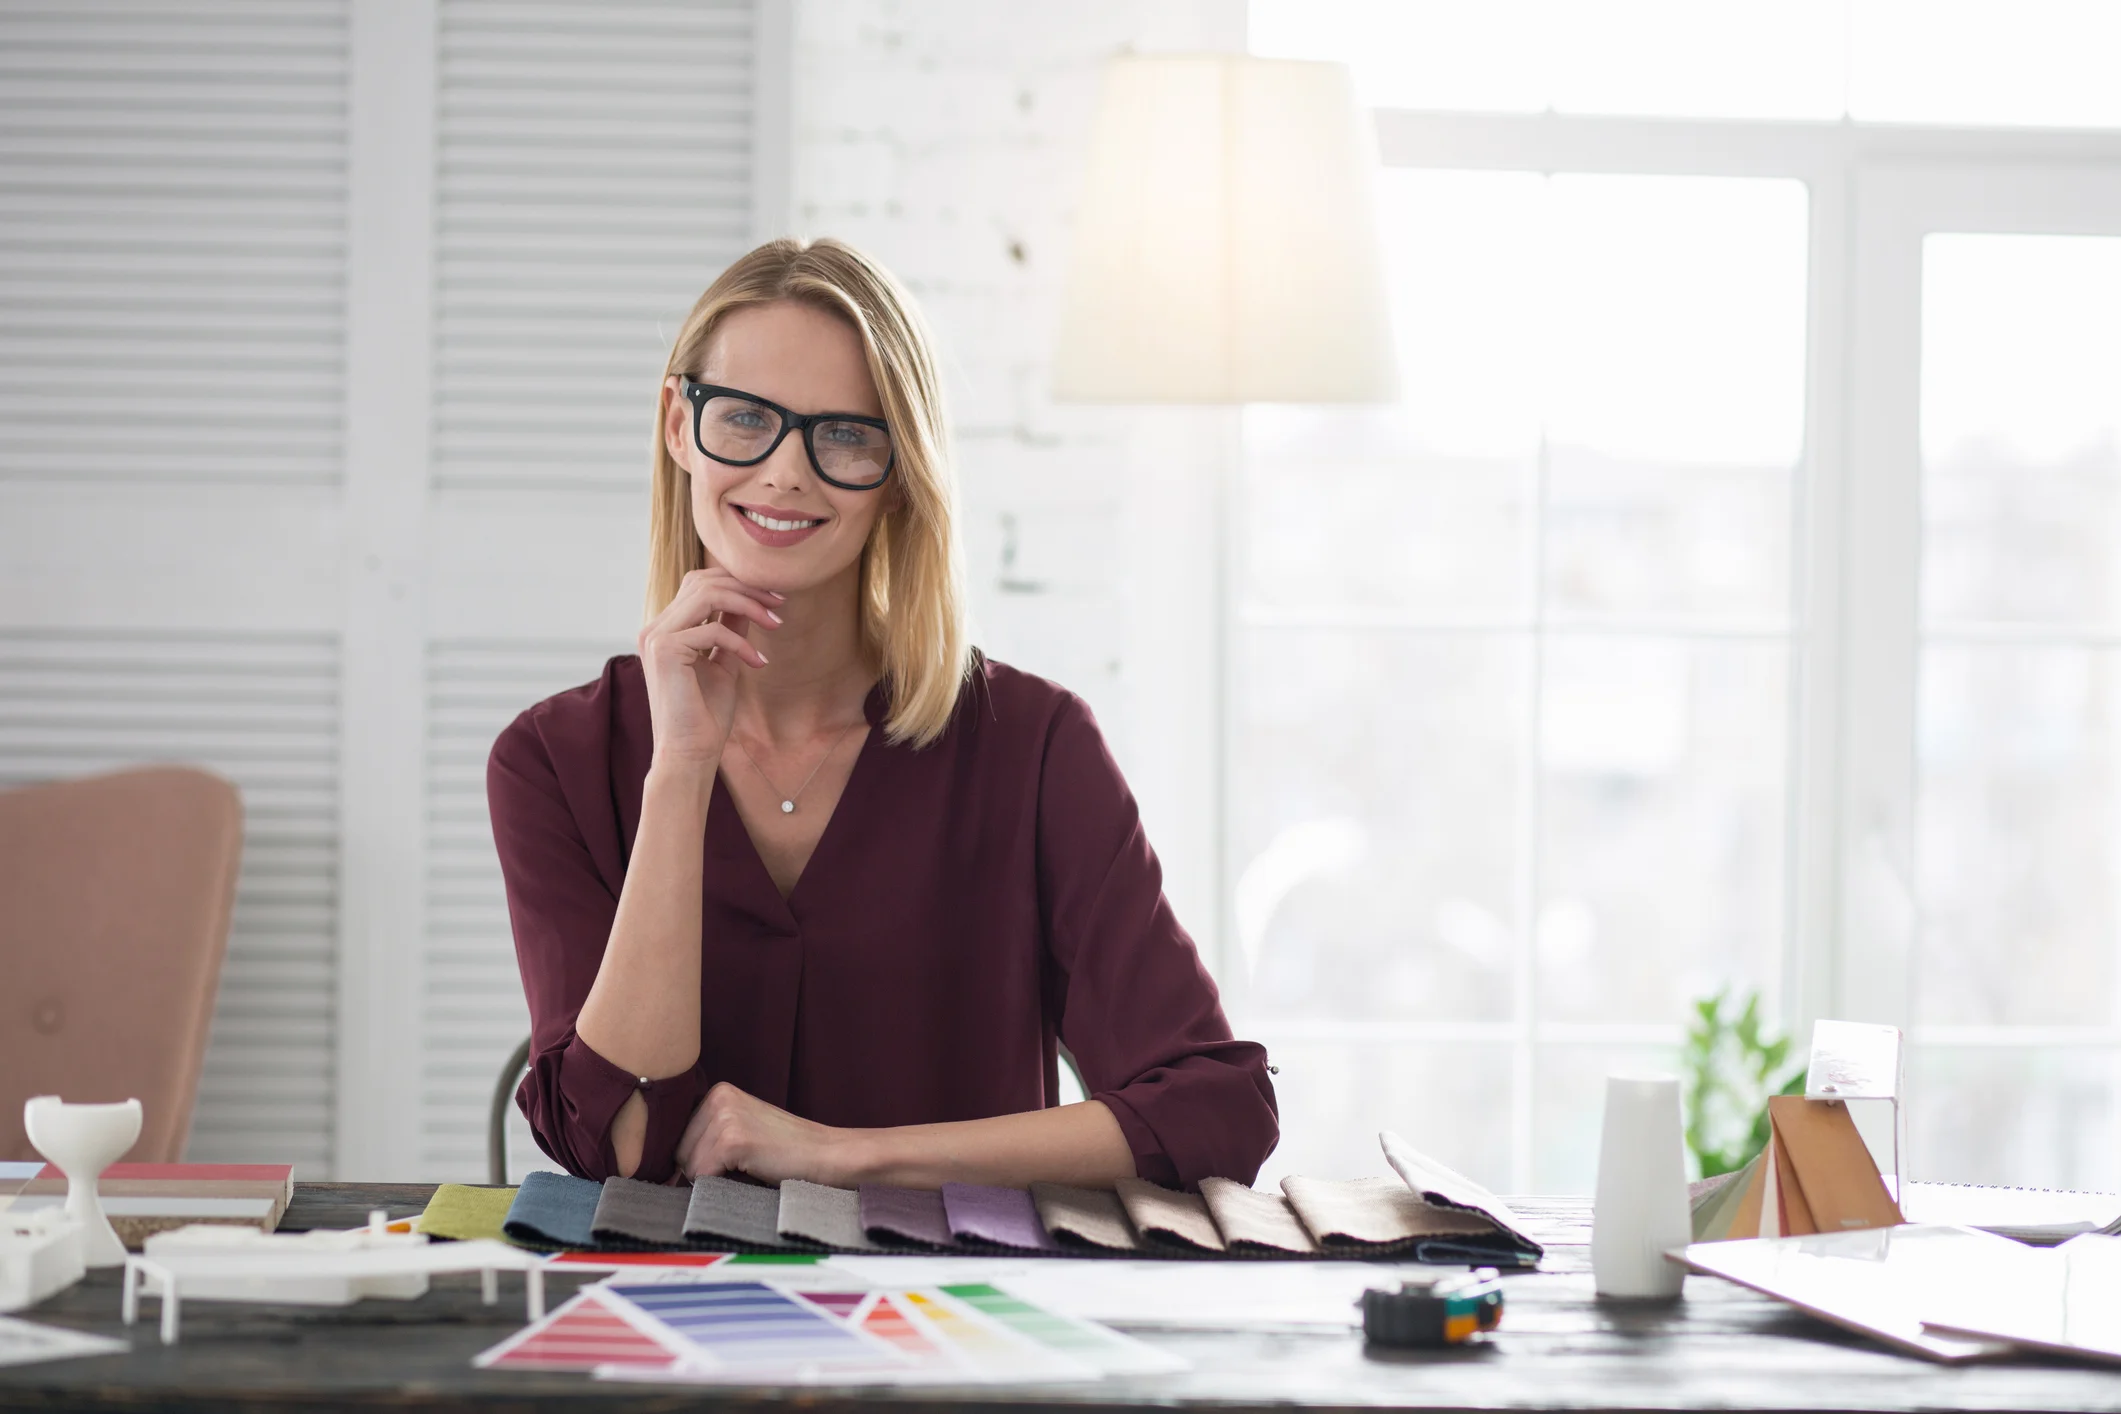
[968,904]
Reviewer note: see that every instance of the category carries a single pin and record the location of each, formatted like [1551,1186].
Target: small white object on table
[213,1262]
[40,1254]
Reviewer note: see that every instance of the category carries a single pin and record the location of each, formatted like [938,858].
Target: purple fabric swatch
[995,1217]
[905,1215]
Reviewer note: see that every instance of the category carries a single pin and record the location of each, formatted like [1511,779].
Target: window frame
[1854,538]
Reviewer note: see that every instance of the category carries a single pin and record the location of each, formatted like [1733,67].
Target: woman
[808,888]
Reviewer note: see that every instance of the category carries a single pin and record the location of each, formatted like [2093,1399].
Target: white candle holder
[1641,1209]
[84,1140]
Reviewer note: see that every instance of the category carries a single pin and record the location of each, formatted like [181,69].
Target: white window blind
[172,240]
[247,524]
[594,175]
[262,710]
[172,250]
[474,1012]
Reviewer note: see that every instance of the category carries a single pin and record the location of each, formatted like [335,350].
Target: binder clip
[1433,1312]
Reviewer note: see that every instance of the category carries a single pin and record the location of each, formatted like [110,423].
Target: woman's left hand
[733,1132]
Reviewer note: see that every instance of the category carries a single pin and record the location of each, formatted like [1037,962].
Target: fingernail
[772,615]
[762,660]
[777,594]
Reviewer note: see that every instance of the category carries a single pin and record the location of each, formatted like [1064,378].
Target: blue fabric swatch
[553,1210]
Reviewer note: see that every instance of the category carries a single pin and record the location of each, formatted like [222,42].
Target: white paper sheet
[25,1342]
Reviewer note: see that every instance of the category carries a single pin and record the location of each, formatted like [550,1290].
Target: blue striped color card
[749,1326]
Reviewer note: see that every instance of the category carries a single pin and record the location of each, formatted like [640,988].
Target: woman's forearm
[1080,1144]
[643,1011]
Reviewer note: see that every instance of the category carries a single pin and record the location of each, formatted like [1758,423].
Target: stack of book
[142,1199]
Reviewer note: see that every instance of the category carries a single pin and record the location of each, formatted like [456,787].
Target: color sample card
[1107,1351]
[888,1322]
[632,1261]
[984,1347]
[583,1334]
[752,1329]
[840,1305]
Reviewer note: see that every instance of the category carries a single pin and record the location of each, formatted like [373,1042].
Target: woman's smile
[777,526]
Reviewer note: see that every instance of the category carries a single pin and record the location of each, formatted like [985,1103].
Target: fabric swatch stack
[1436,1217]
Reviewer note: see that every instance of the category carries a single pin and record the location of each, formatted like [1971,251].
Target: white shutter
[172,239]
[595,175]
[474,1013]
[262,710]
[172,249]
[188,189]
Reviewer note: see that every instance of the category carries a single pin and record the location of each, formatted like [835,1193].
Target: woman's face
[807,361]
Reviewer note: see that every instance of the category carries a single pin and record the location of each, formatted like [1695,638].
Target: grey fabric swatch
[553,1210]
[1255,1222]
[906,1216]
[633,1213]
[826,1217]
[1174,1219]
[1085,1217]
[742,1215]
[1374,1215]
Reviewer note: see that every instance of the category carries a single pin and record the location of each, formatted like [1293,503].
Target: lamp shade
[1226,247]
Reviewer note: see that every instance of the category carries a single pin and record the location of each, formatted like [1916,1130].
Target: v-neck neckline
[872,713]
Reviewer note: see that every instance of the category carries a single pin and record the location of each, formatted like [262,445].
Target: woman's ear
[675,425]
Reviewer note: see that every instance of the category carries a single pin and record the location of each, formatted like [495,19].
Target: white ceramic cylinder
[1641,1209]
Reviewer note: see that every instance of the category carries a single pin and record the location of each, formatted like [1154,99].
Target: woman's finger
[704,639]
[700,601]
[707,582]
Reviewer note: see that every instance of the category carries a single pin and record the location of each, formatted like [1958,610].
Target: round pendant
[787,807]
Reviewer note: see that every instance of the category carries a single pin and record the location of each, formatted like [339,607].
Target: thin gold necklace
[788,801]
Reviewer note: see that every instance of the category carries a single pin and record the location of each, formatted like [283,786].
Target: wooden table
[1559,1348]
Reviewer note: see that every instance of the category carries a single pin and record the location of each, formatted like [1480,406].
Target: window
[1728,599]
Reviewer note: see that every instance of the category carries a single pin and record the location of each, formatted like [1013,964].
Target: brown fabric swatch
[1085,1217]
[1374,1214]
[633,1213]
[1252,1221]
[905,1216]
[1173,1219]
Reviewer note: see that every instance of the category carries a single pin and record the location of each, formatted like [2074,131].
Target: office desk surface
[1559,1348]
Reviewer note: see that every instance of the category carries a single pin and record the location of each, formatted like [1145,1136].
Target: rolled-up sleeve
[561,902]
[1140,1012]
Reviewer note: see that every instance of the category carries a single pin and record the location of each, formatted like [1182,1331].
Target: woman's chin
[782,571]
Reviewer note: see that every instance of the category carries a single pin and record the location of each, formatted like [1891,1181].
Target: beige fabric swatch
[1373,1214]
[1177,1219]
[1084,1217]
[829,1217]
[1252,1221]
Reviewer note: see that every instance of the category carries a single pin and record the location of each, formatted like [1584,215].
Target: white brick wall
[946,138]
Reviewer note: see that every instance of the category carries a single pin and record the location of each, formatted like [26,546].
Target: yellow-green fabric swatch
[463,1212]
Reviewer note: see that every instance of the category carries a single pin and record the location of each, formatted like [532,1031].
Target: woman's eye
[747,419]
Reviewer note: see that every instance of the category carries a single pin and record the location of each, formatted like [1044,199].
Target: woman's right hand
[691,654]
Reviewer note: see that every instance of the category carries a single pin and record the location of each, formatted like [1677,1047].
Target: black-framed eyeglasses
[741,429]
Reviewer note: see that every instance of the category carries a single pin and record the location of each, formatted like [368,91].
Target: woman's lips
[776,539]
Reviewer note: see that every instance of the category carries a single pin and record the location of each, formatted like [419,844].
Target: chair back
[115,894]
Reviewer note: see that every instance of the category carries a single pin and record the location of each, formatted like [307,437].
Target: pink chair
[114,900]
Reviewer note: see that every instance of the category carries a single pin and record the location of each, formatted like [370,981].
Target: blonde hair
[911,595]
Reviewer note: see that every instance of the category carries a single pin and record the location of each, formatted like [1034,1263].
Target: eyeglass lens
[742,430]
